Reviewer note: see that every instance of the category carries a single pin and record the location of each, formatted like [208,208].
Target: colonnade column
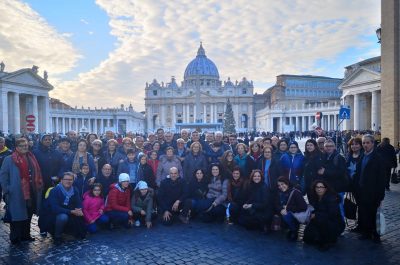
[35,112]
[356,112]
[375,110]
[17,114]
[102,126]
[4,113]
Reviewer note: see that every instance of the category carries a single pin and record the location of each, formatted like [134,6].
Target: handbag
[350,206]
[302,217]
[380,222]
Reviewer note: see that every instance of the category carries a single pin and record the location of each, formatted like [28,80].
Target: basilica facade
[199,102]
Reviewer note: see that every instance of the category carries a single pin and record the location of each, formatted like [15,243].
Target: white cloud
[27,39]
[257,39]
[84,21]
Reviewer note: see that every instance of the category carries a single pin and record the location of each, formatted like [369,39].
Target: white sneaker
[137,223]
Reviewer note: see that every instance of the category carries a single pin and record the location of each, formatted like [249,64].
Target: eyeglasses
[68,179]
[320,187]
[22,145]
[97,144]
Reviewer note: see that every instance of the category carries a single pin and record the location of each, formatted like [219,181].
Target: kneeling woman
[256,212]
[118,206]
[326,222]
[288,201]
[213,206]
[93,208]
[142,204]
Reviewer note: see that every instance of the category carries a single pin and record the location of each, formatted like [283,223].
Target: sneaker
[228,220]
[137,223]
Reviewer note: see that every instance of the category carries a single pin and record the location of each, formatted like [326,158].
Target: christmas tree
[229,119]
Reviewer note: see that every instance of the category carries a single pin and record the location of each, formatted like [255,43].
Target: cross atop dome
[201,51]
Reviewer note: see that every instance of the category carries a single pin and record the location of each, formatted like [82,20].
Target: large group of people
[80,185]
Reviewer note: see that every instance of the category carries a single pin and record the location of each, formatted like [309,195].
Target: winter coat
[65,156]
[165,165]
[273,172]
[91,207]
[388,155]
[114,159]
[335,172]
[236,191]
[11,184]
[56,201]
[146,174]
[154,165]
[369,183]
[3,154]
[296,203]
[260,197]
[312,163]
[292,167]
[118,200]
[146,204]
[241,163]
[50,162]
[90,162]
[327,213]
[218,190]
[106,182]
[193,163]
[195,189]
[252,163]
[169,192]
[214,157]
[81,183]
[124,167]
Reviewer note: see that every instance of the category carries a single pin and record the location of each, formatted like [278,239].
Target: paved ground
[200,243]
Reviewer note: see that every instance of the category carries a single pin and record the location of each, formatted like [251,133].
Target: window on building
[178,121]
[154,92]
[244,91]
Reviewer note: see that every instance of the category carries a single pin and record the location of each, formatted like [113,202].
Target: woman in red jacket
[118,204]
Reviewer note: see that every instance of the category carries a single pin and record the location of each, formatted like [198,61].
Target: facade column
[335,122]
[356,112]
[35,112]
[212,112]
[204,113]
[76,124]
[174,116]
[95,126]
[188,113]
[63,125]
[46,109]
[375,111]
[17,114]
[297,124]
[56,125]
[4,111]
[102,126]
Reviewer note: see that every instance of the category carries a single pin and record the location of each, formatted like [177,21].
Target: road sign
[344,113]
[30,123]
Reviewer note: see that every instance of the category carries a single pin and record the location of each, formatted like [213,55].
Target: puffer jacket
[118,199]
[91,207]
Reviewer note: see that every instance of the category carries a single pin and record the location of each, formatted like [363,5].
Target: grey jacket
[218,190]
[11,184]
[165,165]
[138,204]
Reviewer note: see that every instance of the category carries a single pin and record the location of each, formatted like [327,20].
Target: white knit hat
[142,185]
[123,177]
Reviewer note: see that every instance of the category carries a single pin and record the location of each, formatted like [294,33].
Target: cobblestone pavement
[199,243]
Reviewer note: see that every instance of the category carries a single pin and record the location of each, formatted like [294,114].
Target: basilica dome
[201,66]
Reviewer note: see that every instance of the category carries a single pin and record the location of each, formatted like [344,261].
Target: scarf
[118,187]
[4,149]
[76,166]
[67,193]
[23,163]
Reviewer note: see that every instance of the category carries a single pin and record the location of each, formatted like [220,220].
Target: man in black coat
[369,189]
[388,154]
[170,196]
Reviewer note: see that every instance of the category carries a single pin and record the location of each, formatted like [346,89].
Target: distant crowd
[79,184]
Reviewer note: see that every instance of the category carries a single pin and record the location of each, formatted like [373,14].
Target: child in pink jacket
[93,207]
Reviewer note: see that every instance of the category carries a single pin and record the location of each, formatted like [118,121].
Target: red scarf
[21,161]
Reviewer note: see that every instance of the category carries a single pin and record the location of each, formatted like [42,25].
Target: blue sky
[101,53]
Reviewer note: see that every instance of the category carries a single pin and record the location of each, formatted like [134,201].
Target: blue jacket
[292,167]
[81,183]
[124,167]
[56,201]
[50,162]
[114,159]
[90,161]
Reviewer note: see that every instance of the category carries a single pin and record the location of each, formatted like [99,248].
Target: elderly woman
[112,156]
[194,160]
[80,157]
[166,163]
[22,185]
[98,158]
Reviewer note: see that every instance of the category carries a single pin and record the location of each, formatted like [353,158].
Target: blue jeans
[341,204]
[118,217]
[291,222]
[103,219]
[61,221]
